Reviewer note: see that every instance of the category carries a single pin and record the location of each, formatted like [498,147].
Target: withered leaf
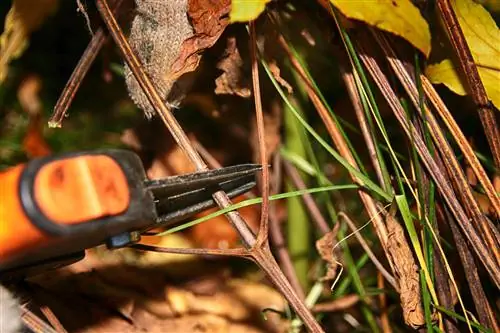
[407,273]
[325,245]
[275,70]
[232,81]
[209,19]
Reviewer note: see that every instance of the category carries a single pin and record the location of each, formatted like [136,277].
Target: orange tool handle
[16,230]
[67,191]
[55,207]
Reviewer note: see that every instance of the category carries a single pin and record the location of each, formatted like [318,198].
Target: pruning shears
[53,208]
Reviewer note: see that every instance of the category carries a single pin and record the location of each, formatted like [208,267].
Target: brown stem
[384,315]
[462,142]
[339,304]
[81,69]
[213,252]
[455,172]
[484,311]
[259,115]
[348,78]
[466,61]
[35,323]
[441,181]
[275,235]
[268,264]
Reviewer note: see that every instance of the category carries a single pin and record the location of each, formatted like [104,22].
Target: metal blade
[179,185]
[180,197]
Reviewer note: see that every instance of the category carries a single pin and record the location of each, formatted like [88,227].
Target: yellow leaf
[445,73]
[399,17]
[483,38]
[24,17]
[481,32]
[246,10]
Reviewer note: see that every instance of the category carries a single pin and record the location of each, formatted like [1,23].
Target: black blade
[179,185]
[180,197]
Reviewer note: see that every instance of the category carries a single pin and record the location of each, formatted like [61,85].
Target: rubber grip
[17,233]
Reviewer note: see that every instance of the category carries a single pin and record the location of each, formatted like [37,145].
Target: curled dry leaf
[233,80]
[406,272]
[400,17]
[209,19]
[275,70]
[24,17]
[325,245]
[156,35]
[483,37]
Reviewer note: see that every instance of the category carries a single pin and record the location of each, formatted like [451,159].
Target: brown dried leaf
[325,245]
[406,271]
[156,36]
[275,70]
[209,19]
[143,301]
[232,81]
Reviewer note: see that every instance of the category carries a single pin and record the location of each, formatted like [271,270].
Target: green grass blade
[255,201]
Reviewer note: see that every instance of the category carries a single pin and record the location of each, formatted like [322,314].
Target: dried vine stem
[241,252]
[275,235]
[350,83]
[478,93]
[455,172]
[35,323]
[259,116]
[340,143]
[461,141]
[307,198]
[441,181]
[81,69]
[260,254]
